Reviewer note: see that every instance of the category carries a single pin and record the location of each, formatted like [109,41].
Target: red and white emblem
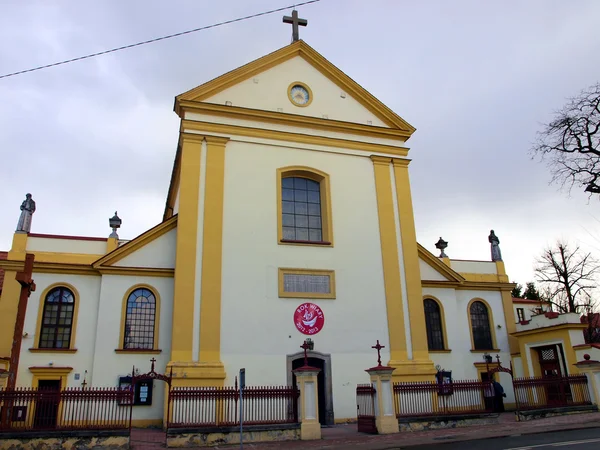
[309,318]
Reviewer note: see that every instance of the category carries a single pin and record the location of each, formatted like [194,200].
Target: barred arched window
[139,320]
[57,320]
[433,323]
[301,209]
[480,326]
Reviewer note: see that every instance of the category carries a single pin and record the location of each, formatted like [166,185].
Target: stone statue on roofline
[27,210]
[495,246]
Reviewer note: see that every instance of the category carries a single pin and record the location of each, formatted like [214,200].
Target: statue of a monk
[495,246]
[27,210]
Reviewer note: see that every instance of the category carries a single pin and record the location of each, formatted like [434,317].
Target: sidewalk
[342,437]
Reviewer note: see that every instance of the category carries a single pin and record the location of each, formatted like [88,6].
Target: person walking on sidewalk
[498,397]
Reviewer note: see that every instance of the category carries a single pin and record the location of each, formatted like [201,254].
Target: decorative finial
[441,245]
[114,222]
[495,246]
[27,210]
[295,21]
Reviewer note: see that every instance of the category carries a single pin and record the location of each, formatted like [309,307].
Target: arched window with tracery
[301,209]
[480,326]
[433,323]
[140,316]
[57,319]
[304,206]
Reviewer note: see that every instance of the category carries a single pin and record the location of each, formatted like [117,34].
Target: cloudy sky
[477,79]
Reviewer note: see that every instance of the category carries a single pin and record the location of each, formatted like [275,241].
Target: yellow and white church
[288,216]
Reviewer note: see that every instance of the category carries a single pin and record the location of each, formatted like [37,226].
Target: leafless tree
[568,276]
[570,143]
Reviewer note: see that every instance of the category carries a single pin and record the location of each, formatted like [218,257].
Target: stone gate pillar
[385,413]
[306,378]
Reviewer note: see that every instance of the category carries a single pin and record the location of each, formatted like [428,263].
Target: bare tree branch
[570,143]
[568,277]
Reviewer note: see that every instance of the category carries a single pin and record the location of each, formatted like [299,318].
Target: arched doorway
[321,361]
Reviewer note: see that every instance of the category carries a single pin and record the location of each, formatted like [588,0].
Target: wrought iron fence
[218,406]
[416,399]
[365,405]
[550,392]
[29,409]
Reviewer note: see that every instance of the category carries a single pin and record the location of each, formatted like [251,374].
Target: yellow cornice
[65,258]
[137,243]
[281,118]
[302,49]
[137,271]
[81,269]
[435,263]
[292,137]
[562,326]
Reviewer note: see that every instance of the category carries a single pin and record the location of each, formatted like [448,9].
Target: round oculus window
[300,95]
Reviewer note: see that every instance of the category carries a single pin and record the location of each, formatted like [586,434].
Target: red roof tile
[3,255]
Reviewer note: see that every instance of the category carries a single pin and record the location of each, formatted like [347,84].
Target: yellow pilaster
[389,255]
[507,306]
[209,353]
[9,300]
[306,378]
[111,244]
[185,260]
[412,272]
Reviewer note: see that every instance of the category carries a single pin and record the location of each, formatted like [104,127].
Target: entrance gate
[139,380]
[365,405]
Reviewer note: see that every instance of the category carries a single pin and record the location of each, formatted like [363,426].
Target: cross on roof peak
[295,21]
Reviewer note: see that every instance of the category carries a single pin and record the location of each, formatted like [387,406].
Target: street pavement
[563,431]
[585,439]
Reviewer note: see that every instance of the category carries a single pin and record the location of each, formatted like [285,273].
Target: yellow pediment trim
[435,263]
[310,55]
[136,244]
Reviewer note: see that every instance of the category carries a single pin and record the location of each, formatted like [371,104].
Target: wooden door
[550,368]
[46,408]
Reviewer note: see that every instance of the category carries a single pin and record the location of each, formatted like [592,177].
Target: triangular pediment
[433,269]
[153,249]
[264,84]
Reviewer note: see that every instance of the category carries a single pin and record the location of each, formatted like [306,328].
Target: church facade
[288,217]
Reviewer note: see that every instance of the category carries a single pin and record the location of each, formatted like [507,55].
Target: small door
[46,408]
[550,368]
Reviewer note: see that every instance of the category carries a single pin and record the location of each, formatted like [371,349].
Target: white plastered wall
[81,246]
[481,267]
[269,91]
[88,290]
[257,329]
[461,360]
[429,273]
[109,365]
[160,253]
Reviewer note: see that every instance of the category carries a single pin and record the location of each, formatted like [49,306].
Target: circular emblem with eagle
[309,318]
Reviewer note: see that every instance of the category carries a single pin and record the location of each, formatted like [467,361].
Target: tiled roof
[525,300]
[595,319]
[3,255]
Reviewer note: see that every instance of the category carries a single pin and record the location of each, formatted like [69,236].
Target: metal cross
[295,21]
[153,360]
[305,346]
[378,347]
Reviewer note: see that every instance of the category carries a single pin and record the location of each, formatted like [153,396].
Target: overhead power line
[162,38]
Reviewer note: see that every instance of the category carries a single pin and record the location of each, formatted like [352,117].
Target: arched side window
[434,325]
[480,326]
[303,206]
[57,319]
[140,320]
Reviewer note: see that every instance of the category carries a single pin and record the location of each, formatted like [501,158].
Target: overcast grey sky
[475,78]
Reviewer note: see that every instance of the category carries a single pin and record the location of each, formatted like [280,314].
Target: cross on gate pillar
[381,379]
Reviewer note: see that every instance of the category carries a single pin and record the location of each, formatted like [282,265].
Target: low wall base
[436,423]
[208,437]
[551,412]
[65,440]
